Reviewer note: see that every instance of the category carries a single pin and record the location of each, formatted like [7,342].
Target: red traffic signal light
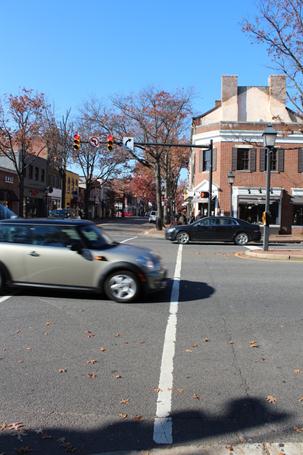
[77,140]
[110,141]
[204,194]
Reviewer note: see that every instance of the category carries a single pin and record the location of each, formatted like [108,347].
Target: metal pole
[267,200]
[231,200]
[210,178]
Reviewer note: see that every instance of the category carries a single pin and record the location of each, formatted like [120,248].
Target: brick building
[235,125]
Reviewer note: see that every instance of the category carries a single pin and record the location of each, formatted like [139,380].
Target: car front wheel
[241,238]
[182,237]
[122,286]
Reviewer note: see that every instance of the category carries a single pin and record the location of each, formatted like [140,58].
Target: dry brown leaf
[124,401]
[62,370]
[102,349]
[297,370]
[253,344]
[118,376]
[157,389]
[91,362]
[195,397]
[117,334]
[122,415]
[137,418]
[25,449]
[271,399]
[231,342]
[16,426]
[298,429]
[92,375]
[194,345]
[188,350]
[90,334]
[301,399]
[48,323]
[179,390]
[206,340]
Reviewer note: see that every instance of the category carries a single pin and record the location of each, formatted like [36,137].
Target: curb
[289,256]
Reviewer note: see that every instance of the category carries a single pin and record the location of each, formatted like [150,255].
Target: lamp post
[269,138]
[231,179]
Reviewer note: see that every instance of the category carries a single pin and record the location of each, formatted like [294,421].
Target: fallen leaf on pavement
[91,362]
[188,350]
[157,389]
[62,370]
[298,429]
[122,415]
[92,375]
[297,370]
[301,399]
[117,334]
[253,344]
[25,449]
[195,397]
[194,345]
[102,349]
[271,399]
[126,401]
[90,334]
[16,426]
[206,340]
[137,418]
[118,376]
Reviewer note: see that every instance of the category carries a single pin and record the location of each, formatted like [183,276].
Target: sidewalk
[274,253]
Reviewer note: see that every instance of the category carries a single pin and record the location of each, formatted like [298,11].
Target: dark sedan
[215,229]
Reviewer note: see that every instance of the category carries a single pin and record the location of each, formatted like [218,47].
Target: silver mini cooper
[75,254]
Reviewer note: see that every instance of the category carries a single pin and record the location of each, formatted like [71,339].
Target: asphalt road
[85,375]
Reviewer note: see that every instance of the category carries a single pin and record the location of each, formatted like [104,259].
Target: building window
[204,163]
[243,159]
[30,172]
[9,179]
[36,173]
[42,175]
[277,160]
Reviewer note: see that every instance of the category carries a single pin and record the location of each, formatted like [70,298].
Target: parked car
[213,229]
[6,213]
[75,254]
[152,216]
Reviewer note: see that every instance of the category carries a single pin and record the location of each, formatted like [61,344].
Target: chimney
[229,98]
[277,88]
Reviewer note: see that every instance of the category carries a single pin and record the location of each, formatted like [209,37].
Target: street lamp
[231,179]
[269,138]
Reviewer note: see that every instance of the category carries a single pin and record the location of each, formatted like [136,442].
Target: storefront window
[297,215]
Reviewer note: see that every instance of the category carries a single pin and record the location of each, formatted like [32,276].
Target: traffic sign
[128,142]
[94,141]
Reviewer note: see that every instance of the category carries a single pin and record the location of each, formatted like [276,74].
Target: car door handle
[34,254]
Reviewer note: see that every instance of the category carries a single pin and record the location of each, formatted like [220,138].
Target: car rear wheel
[182,237]
[241,238]
[122,286]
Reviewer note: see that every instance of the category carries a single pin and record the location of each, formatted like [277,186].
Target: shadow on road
[136,433]
[189,290]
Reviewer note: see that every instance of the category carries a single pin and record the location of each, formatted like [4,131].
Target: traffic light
[76,145]
[204,194]
[110,141]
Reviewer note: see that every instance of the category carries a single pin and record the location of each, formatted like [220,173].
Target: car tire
[122,286]
[2,282]
[182,237]
[241,238]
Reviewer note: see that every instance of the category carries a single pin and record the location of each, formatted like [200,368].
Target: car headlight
[169,230]
[146,262]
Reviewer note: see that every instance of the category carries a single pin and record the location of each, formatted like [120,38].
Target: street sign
[94,141]
[128,142]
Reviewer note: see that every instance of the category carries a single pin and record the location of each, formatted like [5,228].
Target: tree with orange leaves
[21,133]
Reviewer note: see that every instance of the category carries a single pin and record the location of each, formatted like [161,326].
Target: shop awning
[8,195]
[297,200]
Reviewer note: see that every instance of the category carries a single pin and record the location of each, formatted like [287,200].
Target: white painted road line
[131,238]
[163,421]
[5,297]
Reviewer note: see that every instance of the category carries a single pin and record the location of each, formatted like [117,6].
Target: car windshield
[96,238]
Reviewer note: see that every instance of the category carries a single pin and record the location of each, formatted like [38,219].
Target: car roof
[42,221]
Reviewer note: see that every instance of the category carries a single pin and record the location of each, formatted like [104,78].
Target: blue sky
[74,50]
